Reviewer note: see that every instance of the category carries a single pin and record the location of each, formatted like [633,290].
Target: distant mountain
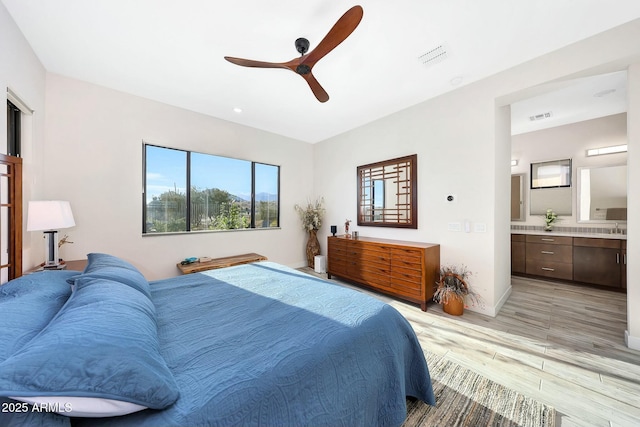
[266,197]
[260,197]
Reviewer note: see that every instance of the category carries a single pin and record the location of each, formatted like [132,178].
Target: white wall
[463,148]
[454,137]
[569,142]
[22,72]
[633,208]
[94,159]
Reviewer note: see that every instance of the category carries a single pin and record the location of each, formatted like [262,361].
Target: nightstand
[74,265]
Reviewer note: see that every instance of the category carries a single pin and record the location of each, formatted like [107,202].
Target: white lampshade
[49,215]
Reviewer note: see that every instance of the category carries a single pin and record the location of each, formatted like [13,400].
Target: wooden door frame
[14,205]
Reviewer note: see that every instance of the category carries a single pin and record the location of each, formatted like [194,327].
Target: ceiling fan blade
[252,63]
[317,90]
[336,35]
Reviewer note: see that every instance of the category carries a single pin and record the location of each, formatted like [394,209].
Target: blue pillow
[102,344]
[104,266]
[27,304]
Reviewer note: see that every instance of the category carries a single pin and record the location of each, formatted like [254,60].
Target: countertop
[572,234]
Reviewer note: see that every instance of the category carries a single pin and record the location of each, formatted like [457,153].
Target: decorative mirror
[388,193]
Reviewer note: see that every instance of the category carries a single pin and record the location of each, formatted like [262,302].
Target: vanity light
[607,150]
[514,162]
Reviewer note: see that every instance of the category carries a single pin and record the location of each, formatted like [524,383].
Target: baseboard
[631,341]
[492,310]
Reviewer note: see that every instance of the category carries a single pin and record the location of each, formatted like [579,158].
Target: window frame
[188,230]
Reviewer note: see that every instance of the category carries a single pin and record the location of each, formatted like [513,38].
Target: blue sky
[166,170]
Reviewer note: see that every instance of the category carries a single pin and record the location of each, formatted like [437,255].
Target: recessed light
[456,81]
[604,93]
[237,110]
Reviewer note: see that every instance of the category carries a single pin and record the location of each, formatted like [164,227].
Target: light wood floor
[560,344]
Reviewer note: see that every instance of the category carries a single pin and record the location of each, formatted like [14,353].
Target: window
[13,130]
[552,174]
[224,193]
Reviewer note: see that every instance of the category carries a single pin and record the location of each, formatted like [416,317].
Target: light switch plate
[454,226]
[480,227]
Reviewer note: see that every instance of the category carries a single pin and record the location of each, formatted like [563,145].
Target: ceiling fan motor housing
[302,45]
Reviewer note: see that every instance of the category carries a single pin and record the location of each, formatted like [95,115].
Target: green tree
[230,218]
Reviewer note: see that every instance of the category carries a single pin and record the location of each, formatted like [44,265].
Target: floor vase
[313,248]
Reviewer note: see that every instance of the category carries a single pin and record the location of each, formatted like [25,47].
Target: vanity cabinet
[598,261]
[518,260]
[408,270]
[549,256]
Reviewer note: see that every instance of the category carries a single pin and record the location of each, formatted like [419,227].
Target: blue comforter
[262,344]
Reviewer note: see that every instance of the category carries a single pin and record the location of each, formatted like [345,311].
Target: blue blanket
[262,344]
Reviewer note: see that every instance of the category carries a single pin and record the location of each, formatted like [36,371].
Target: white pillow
[69,406]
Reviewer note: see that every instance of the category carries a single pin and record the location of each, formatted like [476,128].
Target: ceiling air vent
[541,116]
[434,56]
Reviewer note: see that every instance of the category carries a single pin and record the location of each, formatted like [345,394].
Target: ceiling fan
[303,65]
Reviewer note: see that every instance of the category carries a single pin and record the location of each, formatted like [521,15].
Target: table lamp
[50,216]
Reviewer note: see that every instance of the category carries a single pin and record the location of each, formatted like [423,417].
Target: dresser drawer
[367,256]
[549,252]
[338,266]
[550,240]
[337,248]
[557,270]
[406,287]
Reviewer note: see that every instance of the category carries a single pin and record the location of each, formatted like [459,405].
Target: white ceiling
[172,52]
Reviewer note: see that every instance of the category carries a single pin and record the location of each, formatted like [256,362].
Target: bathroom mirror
[602,194]
[388,193]
[550,187]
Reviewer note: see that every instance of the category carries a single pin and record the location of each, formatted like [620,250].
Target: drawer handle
[547,240]
[547,252]
[618,258]
[547,269]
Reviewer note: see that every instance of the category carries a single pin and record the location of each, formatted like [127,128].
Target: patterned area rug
[464,398]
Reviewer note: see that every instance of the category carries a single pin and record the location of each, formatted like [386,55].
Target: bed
[256,344]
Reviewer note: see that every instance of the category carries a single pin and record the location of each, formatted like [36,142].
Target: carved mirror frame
[388,193]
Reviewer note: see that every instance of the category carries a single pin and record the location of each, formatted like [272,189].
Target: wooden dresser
[407,270]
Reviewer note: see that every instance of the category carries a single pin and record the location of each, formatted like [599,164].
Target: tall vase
[313,248]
